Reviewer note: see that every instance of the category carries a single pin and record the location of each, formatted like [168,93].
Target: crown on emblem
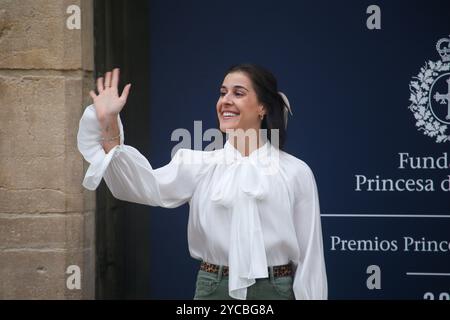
[443,47]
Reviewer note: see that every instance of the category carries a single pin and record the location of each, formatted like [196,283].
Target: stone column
[46,217]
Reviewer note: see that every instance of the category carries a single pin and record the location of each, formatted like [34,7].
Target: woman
[254,218]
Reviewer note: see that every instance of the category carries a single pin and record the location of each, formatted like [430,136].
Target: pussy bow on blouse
[240,188]
[245,212]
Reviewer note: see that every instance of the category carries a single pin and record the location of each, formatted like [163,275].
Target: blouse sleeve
[128,174]
[310,281]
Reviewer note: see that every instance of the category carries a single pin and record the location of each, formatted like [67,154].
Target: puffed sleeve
[129,175]
[310,281]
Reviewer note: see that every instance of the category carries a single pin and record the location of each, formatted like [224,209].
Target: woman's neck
[246,142]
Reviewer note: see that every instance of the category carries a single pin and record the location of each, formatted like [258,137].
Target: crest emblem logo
[430,95]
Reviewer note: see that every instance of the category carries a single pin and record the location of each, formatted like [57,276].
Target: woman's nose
[226,99]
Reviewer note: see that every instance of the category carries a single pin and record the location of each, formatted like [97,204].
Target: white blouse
[244,212]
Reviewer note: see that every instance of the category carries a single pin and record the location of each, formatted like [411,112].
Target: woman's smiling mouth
[228,115]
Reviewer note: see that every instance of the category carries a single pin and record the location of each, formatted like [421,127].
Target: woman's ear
[262,110]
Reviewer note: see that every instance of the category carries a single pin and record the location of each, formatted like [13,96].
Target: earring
[261,116]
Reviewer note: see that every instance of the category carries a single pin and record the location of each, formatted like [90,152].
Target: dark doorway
[122,246]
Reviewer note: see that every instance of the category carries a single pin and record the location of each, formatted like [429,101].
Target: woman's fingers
[107,80]
[125,92]
[100,85]
[92,94]
[111,80]
[115,78]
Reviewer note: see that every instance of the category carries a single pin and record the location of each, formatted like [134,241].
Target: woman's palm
[108,102]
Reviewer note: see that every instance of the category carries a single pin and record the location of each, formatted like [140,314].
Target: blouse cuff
[89,144]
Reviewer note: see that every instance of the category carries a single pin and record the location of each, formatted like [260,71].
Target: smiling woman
[249,101]
[257,232]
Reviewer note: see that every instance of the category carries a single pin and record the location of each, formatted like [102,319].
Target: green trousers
[214,286]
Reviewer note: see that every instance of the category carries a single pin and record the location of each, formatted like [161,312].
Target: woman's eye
[237,94]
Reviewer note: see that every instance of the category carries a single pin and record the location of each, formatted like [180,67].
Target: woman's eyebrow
[236,86]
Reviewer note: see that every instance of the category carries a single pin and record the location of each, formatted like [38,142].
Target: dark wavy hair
[266,88]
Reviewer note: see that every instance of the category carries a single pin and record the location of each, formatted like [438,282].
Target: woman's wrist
[109,123]
[110,132]
[107,118]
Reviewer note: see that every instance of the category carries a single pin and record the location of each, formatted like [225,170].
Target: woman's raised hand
[108,103]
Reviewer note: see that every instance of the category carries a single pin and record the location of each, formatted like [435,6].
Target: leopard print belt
[278,271]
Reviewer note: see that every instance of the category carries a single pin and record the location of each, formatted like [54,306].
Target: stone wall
[46,217]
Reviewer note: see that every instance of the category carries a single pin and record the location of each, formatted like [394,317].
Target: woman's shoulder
[294,165]
[299,173]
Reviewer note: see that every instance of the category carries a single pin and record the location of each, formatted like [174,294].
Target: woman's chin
[228,126]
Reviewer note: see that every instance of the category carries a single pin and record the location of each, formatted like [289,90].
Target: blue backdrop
[349,88]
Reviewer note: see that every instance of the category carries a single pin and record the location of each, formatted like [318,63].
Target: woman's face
[238,106]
